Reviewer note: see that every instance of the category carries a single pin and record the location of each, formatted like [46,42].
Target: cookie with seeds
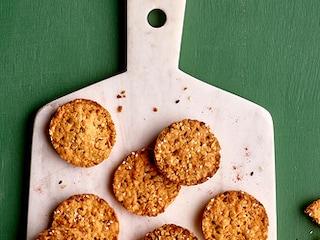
[82,132]
[88,213]
[313,210]
[60,233]
[170,231]
[139,186]
[235,215]
[187,152]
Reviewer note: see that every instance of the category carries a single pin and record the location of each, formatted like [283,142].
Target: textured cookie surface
[82,132]
[170,232]
[313,210]
[235,215]
[60,233]
[139,186]
[89,214]
[187,152]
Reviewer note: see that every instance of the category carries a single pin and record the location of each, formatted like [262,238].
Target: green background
[265,51]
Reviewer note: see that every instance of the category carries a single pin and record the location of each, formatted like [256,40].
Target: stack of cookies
[147,181]
[185,153]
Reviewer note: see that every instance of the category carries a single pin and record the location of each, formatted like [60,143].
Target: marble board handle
[149,47]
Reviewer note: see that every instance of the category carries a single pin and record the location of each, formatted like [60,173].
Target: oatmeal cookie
[82,132]
[139,186]
[170,231]
[187,152]
[235,215]
[88,213]
[60,233]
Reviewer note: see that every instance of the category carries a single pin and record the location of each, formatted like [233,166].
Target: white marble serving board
[153,93]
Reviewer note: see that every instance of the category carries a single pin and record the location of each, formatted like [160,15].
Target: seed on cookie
[60,233]
[88,213]
[235,215]
[82,132]
[313,211]
[170,231]
[187,152]
[139,186]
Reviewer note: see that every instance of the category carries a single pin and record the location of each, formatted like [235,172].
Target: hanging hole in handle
[157,18]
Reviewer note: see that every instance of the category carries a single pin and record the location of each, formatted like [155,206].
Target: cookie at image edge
[139,186]
[313,211]
[90,214]
[235,215]
[82,132]
[187,152]
[170,231]
[60,233]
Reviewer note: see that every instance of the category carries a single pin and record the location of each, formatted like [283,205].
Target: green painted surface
[265,51]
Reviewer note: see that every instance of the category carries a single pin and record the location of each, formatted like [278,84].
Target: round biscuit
[88,213]
[235,215]
[82,132]
[170,231]
[139,186]
[60,233]
[187,152]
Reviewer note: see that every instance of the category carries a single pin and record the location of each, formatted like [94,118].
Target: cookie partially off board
[151,94]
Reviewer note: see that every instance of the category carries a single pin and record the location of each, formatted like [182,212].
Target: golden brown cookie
[64,233]
[235,215]
[170,232]
[82,132]
[89,214]
[187,152]
[313,210]
[140,188]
